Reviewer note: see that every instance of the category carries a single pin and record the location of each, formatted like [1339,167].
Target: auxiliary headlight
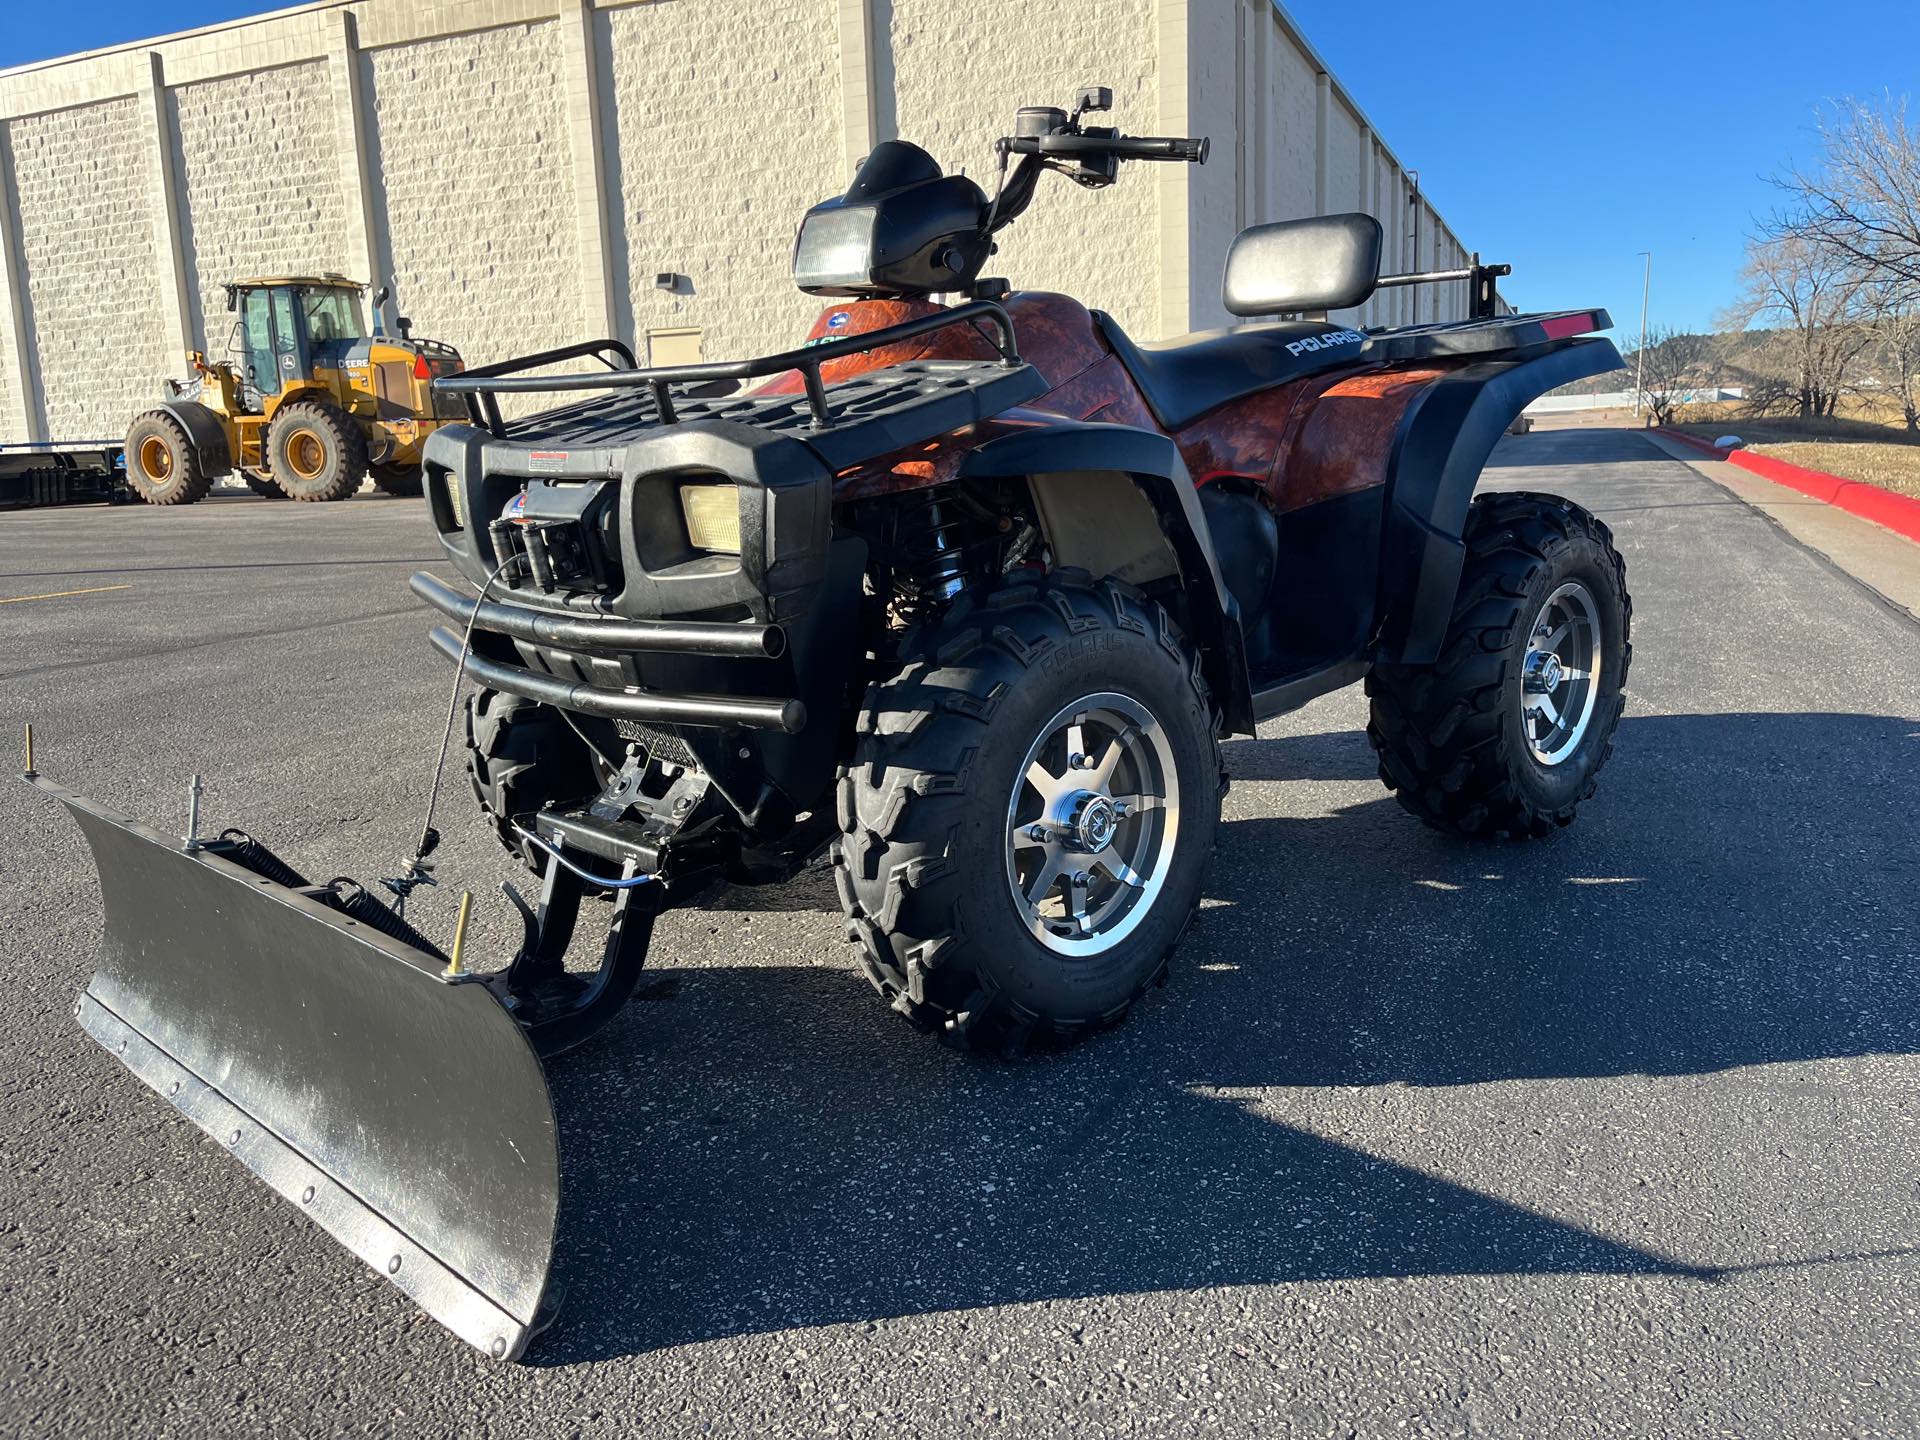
[713,517]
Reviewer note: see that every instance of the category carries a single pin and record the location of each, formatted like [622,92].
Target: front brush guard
[401,1107]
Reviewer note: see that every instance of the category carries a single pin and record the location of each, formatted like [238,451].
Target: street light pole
[1640,355]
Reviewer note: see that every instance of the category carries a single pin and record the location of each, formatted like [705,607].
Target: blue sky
[41,29]
[1559,137]
[1564,137]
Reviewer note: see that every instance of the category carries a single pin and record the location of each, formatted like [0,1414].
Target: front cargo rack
[482,386]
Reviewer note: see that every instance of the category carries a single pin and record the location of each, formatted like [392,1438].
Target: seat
[1322,263]
[1183,379]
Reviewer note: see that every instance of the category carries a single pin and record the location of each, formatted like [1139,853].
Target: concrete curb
[1898,513]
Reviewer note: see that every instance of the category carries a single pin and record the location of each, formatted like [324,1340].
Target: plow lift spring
[390,1093]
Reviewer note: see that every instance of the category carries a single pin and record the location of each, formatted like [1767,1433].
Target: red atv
[967,593]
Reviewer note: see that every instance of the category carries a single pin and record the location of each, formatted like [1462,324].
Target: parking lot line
[62,594]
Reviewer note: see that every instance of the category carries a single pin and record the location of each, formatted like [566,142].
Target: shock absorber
[942,542]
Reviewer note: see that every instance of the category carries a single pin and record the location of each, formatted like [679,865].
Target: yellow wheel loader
[308,404]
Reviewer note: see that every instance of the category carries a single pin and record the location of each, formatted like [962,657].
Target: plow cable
[417,871]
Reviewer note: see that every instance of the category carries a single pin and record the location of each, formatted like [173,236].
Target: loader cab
[289,327]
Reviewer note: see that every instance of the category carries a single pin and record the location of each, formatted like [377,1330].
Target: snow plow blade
[403,1110]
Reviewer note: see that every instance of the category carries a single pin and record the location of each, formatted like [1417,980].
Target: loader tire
[1463,743]
[317,453]
[522,755]
[264,486]
[163,467]
[396,479]
[938,860]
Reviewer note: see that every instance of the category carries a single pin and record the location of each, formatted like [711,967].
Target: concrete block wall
[523,169]
[726,122]
[472,188]
[84,233]
[260,191]
[960,72]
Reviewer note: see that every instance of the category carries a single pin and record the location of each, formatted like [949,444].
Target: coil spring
[244,850]
[353,900]
[940,544]
[341,893]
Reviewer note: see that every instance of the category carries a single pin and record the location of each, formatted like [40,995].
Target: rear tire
[163,467]
[1463,742]
[396,479]
[945,835]
[317,453]
[521,756]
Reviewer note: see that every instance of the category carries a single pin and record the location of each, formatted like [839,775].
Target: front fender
[1151,462]
[1444,441]
[206,431]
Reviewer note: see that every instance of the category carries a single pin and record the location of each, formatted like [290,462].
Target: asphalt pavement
[1612,1134]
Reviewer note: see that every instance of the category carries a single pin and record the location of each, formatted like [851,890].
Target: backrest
[1327,262]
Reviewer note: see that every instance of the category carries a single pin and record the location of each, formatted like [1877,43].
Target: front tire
[317,453]
[1000,894]
[402,480]
[521,756]
[163,467]
[1505,733]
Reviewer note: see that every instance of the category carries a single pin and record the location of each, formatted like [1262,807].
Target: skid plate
[405,1114]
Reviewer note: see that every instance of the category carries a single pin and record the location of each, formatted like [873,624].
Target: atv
[963,596]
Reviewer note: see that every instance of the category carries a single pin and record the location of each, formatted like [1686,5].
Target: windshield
[332,315]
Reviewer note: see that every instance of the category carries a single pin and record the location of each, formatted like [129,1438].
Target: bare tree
[1862,199]
[1813,289]
[1672,366]
[1894,308]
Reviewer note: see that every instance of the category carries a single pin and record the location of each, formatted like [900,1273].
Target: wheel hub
[1091,825]
[1094,822]
[1560,677]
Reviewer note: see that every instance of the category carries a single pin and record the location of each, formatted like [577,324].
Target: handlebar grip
[1121,147]
[1154,147]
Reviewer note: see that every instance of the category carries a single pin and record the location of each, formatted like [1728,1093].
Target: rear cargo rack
[482,385]
[1483,294]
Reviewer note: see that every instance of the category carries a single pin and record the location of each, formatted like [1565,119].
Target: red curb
[1705,446]
[1898,513]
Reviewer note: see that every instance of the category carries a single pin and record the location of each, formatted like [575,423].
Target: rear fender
[1059,460]
[206,432]
[1444,441]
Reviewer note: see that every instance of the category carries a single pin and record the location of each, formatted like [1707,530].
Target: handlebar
[1122,147]
[1154,147]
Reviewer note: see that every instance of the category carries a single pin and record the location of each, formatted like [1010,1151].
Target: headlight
[834,249]
[713,517]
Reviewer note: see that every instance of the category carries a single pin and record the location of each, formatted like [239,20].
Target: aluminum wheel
[1560,682]
[1091,824]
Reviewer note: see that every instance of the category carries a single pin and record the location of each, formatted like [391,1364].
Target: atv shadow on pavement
[1735,897]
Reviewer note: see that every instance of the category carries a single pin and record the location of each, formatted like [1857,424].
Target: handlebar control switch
[1092,97]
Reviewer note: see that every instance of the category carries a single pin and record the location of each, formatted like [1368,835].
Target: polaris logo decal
[516,509]
[1326,342]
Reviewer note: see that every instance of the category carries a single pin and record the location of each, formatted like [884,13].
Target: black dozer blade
[403,1110]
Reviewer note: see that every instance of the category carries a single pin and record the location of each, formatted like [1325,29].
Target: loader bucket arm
[403,1110]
